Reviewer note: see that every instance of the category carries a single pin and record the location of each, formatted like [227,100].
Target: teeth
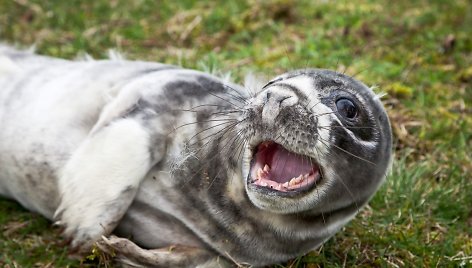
[263,179]
[291,182]
[259,173]
[266,168]
[297,180]
[305,178]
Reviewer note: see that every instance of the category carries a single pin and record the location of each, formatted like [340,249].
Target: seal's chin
[278,170]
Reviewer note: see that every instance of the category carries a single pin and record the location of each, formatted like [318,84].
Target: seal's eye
[346,108]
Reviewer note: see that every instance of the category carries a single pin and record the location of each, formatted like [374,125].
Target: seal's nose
[274,100]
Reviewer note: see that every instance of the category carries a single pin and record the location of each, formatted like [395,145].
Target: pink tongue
[285,165]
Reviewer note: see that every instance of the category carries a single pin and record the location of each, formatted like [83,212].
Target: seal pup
[186,168]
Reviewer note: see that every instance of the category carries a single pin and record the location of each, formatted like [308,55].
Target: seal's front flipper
[101,178]
[130,254]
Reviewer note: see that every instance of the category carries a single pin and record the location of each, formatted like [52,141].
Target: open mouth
[278,169]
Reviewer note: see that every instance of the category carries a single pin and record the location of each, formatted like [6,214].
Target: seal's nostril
[284,98]
[274,102]
[276,98]
[267,97]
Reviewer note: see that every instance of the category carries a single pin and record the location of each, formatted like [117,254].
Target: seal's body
[172,157]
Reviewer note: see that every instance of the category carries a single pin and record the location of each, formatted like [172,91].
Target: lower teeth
[263,179]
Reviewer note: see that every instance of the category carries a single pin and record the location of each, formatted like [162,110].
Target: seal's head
[319,141]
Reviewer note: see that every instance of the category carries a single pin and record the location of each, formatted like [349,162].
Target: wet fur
[160,155]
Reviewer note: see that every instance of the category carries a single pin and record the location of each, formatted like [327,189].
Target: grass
[419,52]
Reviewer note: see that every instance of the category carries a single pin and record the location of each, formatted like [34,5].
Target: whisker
[203,121]
[206,129]
[358,73]
[251,92]
[346,67]
[235,90]
[238,98]
[344,185]
[225,112]
[196,172]
[208,105]
[218,134]
[318,115]
[345,151]
[225,129]
[316,186]
[314,105]
[241,96]
[223,99]
[288,58]
[241,147]
[215,177]
[331,127]
[221,150]
[237,137]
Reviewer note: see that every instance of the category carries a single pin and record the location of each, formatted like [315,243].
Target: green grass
[419,52]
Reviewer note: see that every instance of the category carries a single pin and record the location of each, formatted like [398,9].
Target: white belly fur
[40,126]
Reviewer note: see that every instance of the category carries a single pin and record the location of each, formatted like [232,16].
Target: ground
[418,52]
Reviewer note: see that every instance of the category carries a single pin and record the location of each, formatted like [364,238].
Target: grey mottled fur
[161,155]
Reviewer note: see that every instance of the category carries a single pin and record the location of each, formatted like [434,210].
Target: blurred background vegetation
[418,52]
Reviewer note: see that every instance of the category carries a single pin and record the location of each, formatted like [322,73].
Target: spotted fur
[161,155]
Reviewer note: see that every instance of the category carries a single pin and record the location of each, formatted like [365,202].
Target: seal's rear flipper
[130,254]
[101,178]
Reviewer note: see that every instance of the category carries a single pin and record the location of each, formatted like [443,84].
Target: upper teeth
[266,168]
[263,172]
